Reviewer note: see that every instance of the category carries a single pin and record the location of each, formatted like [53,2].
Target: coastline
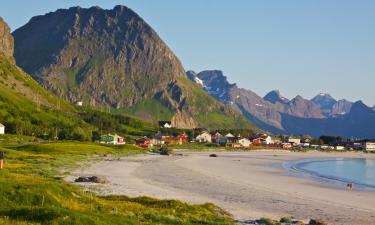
[296,167]
[247,184]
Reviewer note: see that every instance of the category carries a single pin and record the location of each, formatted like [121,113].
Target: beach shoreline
[249,185]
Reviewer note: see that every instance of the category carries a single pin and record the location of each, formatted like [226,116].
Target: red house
[143,142]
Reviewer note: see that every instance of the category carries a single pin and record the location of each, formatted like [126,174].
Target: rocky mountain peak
[216,84]
[324,101]
[275,97]
[97,56]
[6,40]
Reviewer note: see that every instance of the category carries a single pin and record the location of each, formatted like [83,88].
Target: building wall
[2,130]
[370,146]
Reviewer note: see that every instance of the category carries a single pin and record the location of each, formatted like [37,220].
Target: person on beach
[1,160]
[349,186]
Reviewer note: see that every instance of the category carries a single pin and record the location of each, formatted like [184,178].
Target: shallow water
[357,171]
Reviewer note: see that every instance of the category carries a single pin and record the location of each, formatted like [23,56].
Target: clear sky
[298,47]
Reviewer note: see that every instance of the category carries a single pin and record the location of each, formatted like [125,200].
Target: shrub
[286,219]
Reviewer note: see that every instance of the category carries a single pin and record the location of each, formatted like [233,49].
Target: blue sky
[297,47]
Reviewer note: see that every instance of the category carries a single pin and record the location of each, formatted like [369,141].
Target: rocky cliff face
[97,56]
[6,40]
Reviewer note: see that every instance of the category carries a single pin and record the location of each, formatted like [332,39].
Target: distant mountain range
[113,58]
[322,115]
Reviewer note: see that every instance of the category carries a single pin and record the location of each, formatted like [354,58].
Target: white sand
[247,184]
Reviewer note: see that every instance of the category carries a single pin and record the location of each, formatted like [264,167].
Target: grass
[33,192]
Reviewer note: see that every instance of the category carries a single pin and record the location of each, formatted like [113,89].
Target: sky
[298,47]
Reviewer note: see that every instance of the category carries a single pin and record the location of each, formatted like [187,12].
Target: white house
[204,137]
[79,103]
[369,146]
[2,129]
[244,142]
[268,140]
[294,141]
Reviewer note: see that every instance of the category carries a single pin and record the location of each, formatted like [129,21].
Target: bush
[268,221]
[286,219]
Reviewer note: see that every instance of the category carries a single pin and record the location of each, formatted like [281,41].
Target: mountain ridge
[298,115]
[114,58]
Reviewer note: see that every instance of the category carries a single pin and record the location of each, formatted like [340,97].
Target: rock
[6,40]
[91,179]
[213,155]
[317,222]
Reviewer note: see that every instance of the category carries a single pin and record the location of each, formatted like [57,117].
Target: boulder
[91,179]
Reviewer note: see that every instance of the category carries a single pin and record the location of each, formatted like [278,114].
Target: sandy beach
[249,185]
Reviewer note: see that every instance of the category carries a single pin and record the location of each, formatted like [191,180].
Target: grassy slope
[32,192]
[20,114]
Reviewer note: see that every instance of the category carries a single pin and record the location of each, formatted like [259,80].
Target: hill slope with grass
[114,58]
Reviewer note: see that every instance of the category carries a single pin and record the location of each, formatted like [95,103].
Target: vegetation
[32,191]
[286,219]
[268,221]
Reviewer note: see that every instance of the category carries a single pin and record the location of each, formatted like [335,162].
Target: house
[338,147]
[204,137]
[79,103]
[157,142]
[165,124]
[244,142]
[143,142]
[183,138]
[2,129]
[216,137]
[294,141]
[286,145]
[257,141]
[369,145]
[112,139]
[262,139]
[230,138]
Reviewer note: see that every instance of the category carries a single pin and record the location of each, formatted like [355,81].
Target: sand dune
[247,184]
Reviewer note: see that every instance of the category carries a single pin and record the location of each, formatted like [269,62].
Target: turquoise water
[357,171]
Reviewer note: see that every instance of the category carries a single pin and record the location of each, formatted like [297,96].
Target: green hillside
[28,109]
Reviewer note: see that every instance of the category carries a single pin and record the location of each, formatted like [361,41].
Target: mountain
[322,115]
[275,97]
[358,123]
[114,58]
[304,108]
[325,102]
[341,107]
[6,40]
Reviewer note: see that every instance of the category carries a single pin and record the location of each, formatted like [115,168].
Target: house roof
[229,135]
[163,122]
[1,125]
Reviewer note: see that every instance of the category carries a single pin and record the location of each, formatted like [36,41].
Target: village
[237,141]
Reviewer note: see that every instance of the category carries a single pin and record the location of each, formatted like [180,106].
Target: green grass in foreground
[32,191]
